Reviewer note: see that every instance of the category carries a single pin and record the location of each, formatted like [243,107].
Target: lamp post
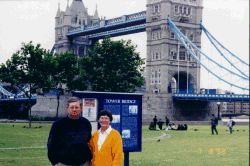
[11,98]
[218,103]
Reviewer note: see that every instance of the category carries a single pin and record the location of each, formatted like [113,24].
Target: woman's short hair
[105,112]
[74,99]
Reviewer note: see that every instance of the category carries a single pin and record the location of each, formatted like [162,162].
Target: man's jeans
[231,130]
[214,128]
[86,164]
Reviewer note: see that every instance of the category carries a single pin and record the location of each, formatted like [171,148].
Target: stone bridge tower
[75,15]
[166,56]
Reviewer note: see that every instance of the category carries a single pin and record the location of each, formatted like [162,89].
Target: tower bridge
[174,57]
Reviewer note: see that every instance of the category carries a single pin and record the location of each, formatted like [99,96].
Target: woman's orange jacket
[111,152]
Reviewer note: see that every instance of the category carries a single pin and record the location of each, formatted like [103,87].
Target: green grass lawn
[182,148]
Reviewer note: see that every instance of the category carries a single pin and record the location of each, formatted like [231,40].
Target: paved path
[164,136]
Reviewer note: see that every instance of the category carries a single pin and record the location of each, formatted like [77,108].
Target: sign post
[126,158]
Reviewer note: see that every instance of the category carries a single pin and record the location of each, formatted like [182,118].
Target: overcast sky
[34,20]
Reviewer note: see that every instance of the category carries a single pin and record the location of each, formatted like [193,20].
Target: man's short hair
[212,114]
[74,99]
[105,112]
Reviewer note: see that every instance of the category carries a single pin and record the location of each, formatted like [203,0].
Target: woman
[106,143]
[173,127]
[167,121]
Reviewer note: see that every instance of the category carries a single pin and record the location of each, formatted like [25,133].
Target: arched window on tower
[185,9]
[180,9]
[156,79]
[189,57]
[156,8]
[156,55]
[176,9]
[172,35]
[173,55]
[189,11]
[182,56]
[191,37]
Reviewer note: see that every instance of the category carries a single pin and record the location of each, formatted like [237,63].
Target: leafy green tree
[65,72]
[28,66]
[113,66]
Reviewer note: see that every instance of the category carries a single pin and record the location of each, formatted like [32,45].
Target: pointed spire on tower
[58,11]
[96,16]
[67,12]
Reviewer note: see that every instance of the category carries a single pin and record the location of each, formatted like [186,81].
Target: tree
[113,66]
[28,66]
[65,72]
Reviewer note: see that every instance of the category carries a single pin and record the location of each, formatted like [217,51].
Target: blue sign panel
[125,119]
[126,109]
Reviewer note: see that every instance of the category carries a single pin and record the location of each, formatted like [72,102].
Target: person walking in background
[230,125]
[155,122]
[214,122]
[106,143]
[69,137]
[167,121]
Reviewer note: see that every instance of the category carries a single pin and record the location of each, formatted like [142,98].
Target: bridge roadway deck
[106,28]
[123,25]
[213,97]
[17,100]
[196,97]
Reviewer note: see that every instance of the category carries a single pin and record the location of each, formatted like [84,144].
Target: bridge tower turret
[57,23]
[75,15]
[96,16]
[63,23]
[168,62]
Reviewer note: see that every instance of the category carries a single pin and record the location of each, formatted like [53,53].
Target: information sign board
[125,119]
[89,109]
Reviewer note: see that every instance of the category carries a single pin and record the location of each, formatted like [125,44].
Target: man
[106,143]
[69,138]
[160,123]
[167,121]
[214,122]
[230,125]
[155,121]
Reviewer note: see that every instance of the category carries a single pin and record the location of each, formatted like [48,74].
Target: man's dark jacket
[214,121]
[68,141]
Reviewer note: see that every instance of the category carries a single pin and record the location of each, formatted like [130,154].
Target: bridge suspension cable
[215,42]
[190,47]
